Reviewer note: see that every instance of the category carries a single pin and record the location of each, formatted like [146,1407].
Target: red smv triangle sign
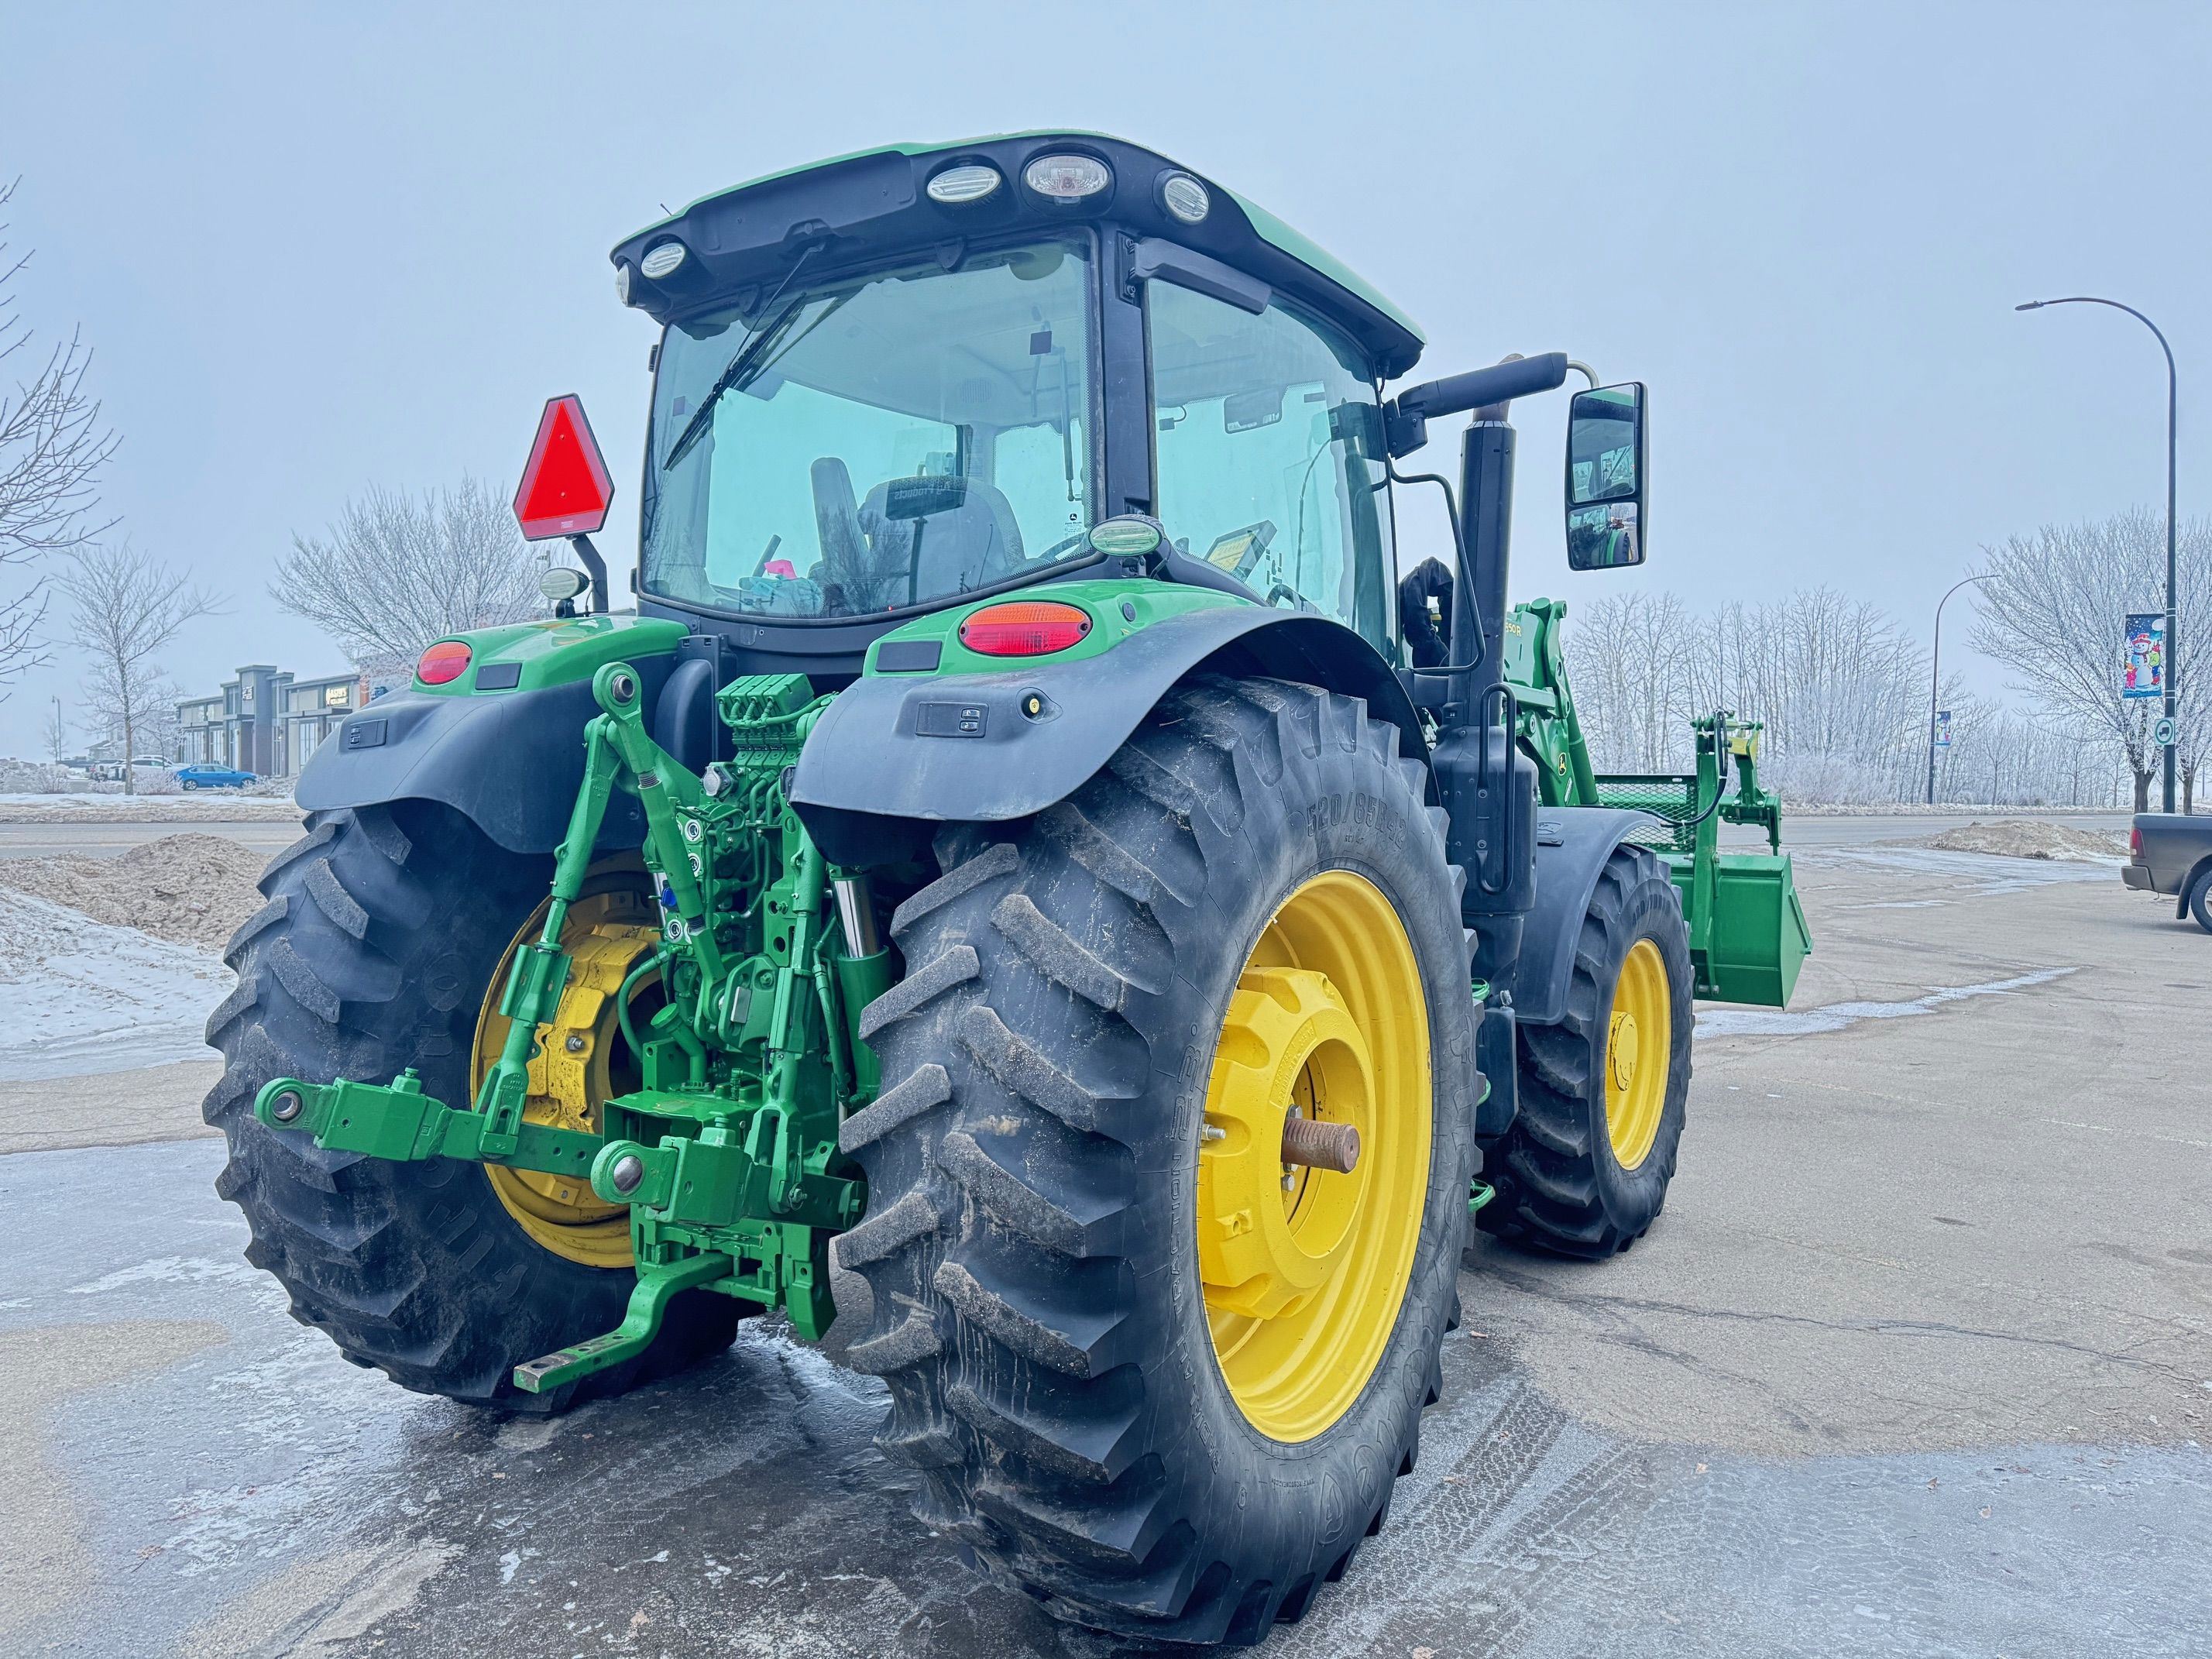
[565,488]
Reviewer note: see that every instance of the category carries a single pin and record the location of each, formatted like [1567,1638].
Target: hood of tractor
[855,210]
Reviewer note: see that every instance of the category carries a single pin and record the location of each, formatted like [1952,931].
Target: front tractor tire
[1584,1169]
[1150,1373]
[380,937]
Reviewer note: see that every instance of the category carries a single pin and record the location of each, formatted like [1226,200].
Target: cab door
[1268,455]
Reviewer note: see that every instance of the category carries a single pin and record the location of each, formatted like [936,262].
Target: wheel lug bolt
[575,1043]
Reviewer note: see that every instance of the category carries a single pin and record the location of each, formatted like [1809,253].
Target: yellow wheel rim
[582,1061]
[1305,1268]
[1639,1045]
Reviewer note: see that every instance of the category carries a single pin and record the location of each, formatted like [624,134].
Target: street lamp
[2172,638]
[1935,678]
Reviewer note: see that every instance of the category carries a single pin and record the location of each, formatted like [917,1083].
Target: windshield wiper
[751,361]
[736,375]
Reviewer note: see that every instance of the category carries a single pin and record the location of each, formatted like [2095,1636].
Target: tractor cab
[919,375]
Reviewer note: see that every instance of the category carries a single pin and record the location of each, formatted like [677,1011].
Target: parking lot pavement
[1919,1360]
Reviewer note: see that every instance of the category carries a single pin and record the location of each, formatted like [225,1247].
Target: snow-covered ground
[90,806]
[81,997]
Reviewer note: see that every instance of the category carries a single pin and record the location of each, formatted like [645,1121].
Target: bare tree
[397,571]
[125,607]
[2053,612]
[1629,661]
[53,446]
[1842,690]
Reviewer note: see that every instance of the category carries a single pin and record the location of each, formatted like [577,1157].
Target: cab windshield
[872,443]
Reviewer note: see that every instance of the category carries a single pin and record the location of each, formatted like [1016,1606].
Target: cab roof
[873,201]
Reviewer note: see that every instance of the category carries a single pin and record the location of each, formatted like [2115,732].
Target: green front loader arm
[1747,932]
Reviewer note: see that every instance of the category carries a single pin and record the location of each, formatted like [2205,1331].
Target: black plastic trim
[510,764]
[867,760]
[1573,844]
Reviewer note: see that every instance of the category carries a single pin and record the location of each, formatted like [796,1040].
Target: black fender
[896,754]
[1573,844]
[511,762]
[2188,886]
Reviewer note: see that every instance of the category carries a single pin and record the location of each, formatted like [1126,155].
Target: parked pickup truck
[2169,853]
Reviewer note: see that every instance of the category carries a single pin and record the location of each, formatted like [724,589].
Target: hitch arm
[397,1121]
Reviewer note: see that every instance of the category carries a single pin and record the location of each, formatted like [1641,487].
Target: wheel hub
[1313,1156]
[1278,1228]
[580,1060]
[1639,1047]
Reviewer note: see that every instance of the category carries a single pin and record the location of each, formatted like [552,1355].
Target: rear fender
[900,752]
[1573,844]
[509,756]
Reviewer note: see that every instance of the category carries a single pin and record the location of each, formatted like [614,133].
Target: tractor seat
[930,537]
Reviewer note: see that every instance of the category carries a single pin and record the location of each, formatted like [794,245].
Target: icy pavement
[1945,876]
[1840,1015]
[199,1476]
[84,997]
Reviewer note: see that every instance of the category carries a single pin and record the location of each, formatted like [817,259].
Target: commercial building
[265,722]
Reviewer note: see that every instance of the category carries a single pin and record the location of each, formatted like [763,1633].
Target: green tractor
[1011,839]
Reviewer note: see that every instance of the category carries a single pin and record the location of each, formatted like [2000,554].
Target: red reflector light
[1024,628]
[448,659]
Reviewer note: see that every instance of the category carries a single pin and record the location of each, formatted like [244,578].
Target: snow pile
[188,888]
[86,806]
[85,997]
[2027,838]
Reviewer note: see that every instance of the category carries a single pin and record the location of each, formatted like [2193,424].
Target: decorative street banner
[1942,728]
[2143,674]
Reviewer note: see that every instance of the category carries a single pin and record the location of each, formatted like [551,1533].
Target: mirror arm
[1409,414]
[597,568]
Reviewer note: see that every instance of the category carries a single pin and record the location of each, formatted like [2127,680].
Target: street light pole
[2173,385]
[1935,678]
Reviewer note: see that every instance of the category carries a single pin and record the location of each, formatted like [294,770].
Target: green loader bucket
[1747,932]
[1758,939]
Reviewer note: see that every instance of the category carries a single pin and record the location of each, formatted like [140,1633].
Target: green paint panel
[1103,601]
[557,650]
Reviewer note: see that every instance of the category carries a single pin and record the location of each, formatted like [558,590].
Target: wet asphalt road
[210,1478]
[1918,1362]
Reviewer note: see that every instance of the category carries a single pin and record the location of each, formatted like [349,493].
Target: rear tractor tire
[1583,1170]
[383,933]
[1150,1373]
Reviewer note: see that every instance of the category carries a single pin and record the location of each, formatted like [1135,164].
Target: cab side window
[1269,455]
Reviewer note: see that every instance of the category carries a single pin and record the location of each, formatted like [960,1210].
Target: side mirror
[1605,479]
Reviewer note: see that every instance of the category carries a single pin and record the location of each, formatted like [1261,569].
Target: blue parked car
[204,776]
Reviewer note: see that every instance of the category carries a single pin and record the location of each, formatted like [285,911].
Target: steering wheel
[1065,543]
[1283,591]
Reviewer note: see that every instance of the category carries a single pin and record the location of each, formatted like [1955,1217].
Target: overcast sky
[319,247]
